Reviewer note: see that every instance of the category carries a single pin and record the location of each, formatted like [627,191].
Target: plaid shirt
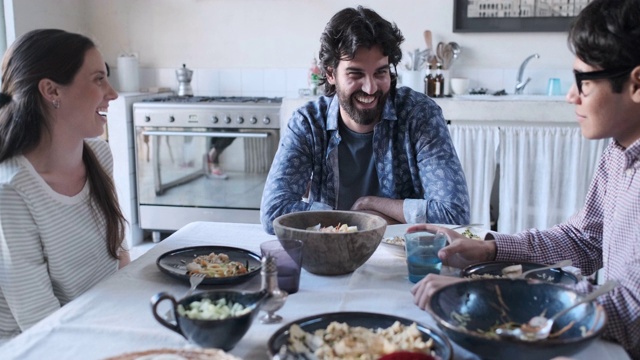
[604,234]
[414,157]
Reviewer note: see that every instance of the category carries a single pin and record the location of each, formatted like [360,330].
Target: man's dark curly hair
[351,29]
[606,34]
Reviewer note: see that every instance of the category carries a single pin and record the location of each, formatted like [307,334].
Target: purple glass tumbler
[288,254]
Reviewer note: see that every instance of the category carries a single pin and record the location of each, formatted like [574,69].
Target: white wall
[36,14]
[264,47]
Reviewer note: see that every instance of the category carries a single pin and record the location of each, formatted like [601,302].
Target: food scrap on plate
[216,265]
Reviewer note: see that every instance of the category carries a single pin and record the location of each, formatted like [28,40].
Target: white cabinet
[121,141]
[543,164]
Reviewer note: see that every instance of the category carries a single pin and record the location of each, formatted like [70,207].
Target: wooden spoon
[427,39]
[431,52]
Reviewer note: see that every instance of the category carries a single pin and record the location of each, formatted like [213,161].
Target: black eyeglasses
[600,74]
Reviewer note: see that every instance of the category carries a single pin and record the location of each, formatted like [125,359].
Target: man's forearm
[389,208]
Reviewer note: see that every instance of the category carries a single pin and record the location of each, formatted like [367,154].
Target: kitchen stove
[174,134]
[211,111]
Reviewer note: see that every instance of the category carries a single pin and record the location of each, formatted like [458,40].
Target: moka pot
[184,76]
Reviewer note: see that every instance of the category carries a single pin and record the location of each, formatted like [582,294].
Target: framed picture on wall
[515,15]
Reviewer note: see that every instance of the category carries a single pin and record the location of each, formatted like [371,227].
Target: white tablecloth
[115,316]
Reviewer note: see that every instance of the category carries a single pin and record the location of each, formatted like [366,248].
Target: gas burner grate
[216,99]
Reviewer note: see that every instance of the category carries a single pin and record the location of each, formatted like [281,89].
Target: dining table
[115,316]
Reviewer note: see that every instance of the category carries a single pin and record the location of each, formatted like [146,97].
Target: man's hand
[461,251]
[424,289]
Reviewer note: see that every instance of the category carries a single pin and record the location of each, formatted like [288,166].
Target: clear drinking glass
[422,253]
[288,254]
[553,87]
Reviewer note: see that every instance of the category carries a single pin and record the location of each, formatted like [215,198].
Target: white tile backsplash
[499,79]
[296,80]
[275,82]
[208,82]
[252,82]
[287,82]
[230,82]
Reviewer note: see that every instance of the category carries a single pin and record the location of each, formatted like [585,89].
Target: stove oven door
[172,169]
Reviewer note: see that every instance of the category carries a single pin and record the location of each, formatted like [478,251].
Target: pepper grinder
[275,297]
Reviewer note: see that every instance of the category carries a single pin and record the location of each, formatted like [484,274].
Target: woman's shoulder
[10,170]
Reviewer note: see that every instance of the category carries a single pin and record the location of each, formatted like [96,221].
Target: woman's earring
[56,104]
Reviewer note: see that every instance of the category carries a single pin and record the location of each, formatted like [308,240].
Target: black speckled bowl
[490,302]
[494,268]
[441,346]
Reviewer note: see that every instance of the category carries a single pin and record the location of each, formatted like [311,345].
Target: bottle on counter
[439,81]
[428,78]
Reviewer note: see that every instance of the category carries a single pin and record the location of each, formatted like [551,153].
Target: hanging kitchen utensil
[422,59]
[410,62]
[427,39]
[447,56]
[455,48]
[430,57]
[440,52]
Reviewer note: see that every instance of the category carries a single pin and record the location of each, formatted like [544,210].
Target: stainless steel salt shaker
[276,297]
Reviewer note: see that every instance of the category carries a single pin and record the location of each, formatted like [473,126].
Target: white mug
[459,86]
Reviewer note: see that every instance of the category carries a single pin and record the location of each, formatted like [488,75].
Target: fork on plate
[194,280]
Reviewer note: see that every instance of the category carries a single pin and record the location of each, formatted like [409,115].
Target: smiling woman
[59,209]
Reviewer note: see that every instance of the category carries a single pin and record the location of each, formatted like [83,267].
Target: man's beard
[366,116]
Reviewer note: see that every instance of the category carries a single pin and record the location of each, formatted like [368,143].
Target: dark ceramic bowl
[222,334]
[466,309]
[494,268]
[332,253]
[441,346]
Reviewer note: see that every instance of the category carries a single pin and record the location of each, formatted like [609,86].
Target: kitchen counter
[513,109]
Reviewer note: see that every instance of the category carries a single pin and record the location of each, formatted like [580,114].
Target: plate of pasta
[356,335]
[219,264]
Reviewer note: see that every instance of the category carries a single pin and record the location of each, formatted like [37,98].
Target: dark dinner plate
[556,276]
[441,345]
[174,263]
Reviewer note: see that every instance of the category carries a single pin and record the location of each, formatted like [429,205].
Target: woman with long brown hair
[61,229]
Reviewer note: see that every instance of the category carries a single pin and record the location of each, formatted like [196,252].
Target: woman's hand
[124,258]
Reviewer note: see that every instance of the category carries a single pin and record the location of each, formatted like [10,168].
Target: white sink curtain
[476,147]
[545,175]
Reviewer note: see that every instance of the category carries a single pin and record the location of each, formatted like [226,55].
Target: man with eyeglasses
[605,233]
[366,146]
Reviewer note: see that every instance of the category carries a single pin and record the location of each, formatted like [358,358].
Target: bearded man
[365,145]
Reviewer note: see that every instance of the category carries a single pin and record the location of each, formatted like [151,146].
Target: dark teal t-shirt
[358,175]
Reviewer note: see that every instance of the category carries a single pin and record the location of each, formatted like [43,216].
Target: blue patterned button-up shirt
[414,156]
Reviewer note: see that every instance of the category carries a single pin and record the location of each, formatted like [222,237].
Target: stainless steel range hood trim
[169,218]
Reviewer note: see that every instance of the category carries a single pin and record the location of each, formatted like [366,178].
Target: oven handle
[206,134]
